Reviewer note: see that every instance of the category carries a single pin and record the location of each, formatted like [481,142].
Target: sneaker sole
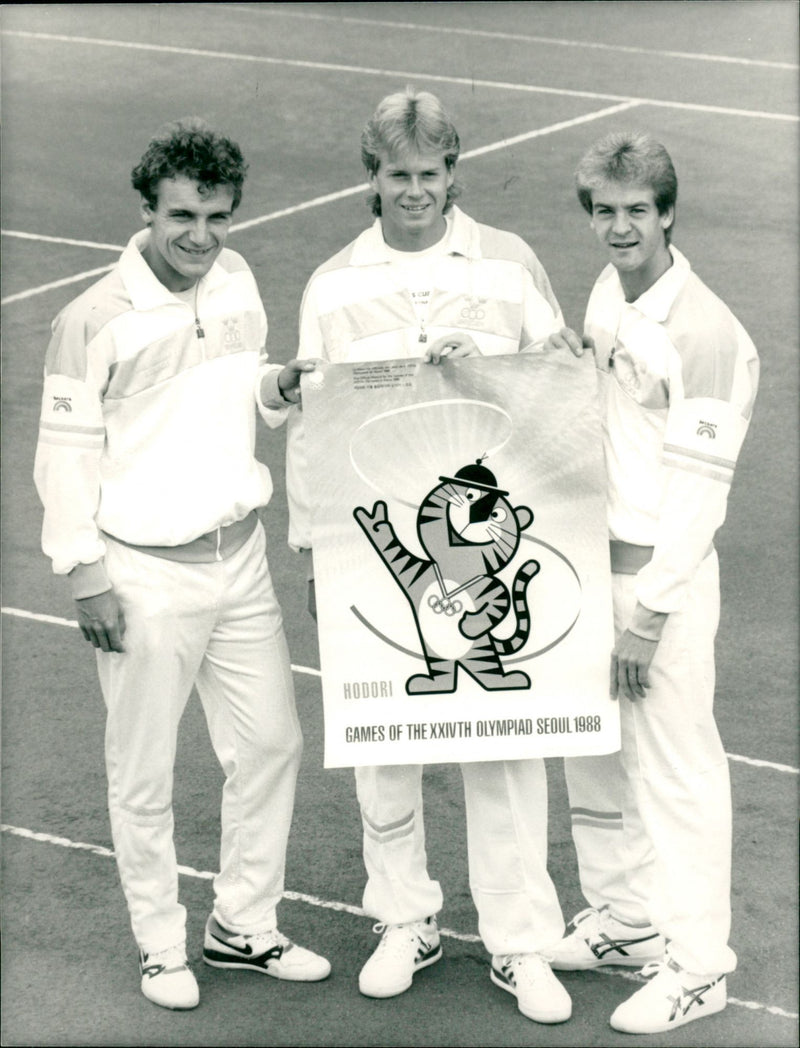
[172,1007]
[243,966]
[707,1012]
[395,991]
[538,1017]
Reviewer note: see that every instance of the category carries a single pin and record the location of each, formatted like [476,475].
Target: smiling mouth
[625,245]
[195,252]
[415,209]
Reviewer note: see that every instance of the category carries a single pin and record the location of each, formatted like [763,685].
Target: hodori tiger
[470,532]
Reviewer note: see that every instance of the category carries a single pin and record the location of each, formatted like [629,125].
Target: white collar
[143,286]
[461,238]
[659,298]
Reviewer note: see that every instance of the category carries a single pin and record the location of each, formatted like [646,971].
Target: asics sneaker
[268,952]
[672,998]
[167,979]
[403,950]
[528,976]
[597,938]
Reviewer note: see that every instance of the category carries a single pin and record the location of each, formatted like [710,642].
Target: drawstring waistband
[218,544]
[629,559]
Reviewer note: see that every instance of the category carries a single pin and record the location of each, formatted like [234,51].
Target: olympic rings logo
[444,605]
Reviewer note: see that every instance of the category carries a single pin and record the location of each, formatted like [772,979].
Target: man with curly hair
[151,490]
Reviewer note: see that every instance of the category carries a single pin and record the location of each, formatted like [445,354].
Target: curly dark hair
[191,148]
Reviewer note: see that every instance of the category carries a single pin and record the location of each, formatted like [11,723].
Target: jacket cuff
[88,580]
[647,624]
[270,397]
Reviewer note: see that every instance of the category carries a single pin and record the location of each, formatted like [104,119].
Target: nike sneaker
[268,952]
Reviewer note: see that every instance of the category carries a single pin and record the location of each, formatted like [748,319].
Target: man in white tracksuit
[678,377]
[146,468]
[426,281]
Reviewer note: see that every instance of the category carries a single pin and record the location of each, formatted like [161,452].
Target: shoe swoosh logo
[246,950]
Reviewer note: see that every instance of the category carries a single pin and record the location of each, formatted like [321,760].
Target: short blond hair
[405,122]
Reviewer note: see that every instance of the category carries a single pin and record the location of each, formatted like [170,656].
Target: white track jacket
[488,283]
[679,376]
[147,428]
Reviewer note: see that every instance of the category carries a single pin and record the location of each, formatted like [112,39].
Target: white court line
[492,147]
[624,103]
[60,240]
[755,763]
[207,875]
[327,198]
[337,67]
[53,620]
[516,37]
[340,907]
[56,283]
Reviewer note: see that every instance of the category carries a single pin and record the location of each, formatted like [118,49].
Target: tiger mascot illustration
[470,532]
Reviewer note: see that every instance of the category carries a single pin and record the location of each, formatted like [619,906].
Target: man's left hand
[289,379]
[630,666]
[452,346]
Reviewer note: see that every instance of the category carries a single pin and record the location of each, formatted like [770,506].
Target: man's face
[627,223]
[187,230]
[413,191]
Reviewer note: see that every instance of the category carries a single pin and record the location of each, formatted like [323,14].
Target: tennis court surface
[529,86]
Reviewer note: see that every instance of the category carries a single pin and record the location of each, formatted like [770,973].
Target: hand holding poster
[461,560]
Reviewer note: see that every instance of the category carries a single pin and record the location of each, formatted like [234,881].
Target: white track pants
[652,823]
[506,804]
[219,626]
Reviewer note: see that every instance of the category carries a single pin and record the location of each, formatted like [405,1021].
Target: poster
[461,559]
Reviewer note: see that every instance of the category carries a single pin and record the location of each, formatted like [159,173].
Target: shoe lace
[653,968]
[590,920]
[396,938]
[669,964]
[263,941]
[527,967]
[171,956]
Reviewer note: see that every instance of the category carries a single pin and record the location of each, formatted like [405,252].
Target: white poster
[461,559]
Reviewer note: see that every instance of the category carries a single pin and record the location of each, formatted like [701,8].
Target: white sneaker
[270,953]
[597,938]
[540,996]
[167,979]
[403,950]
[672,998]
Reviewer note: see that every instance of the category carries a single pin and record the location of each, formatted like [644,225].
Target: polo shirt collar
[659,299]
[145,289]
[461,238]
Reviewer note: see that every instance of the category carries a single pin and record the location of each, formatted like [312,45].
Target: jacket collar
[145,289]
[461,238]
[658,300]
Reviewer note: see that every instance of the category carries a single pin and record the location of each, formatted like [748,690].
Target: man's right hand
[102,621]
[566,338]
